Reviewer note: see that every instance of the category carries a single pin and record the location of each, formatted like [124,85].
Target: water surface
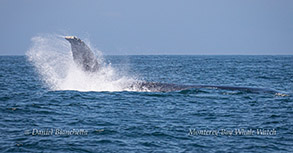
[195,120]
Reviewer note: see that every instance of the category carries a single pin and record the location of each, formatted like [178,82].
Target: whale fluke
[82,54]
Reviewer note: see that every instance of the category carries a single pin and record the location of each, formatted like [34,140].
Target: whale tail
[82,54]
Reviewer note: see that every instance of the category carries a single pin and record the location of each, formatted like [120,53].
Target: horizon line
[177,55]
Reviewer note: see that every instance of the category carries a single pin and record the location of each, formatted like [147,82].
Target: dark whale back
[166,87]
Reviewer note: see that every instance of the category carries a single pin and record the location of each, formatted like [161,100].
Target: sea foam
[51,55]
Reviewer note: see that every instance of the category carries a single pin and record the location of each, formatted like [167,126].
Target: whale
[88,62]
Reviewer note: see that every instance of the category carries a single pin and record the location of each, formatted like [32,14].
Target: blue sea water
[41,115]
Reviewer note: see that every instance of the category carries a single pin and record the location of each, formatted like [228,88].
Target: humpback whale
[84,57]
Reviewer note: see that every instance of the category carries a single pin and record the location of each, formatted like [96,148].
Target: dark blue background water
[145,121]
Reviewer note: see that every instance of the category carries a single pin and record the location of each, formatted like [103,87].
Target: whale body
[86,59]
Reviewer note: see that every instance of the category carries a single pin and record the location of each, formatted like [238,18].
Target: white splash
[52,57]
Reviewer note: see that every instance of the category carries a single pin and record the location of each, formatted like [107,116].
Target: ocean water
[48,105]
